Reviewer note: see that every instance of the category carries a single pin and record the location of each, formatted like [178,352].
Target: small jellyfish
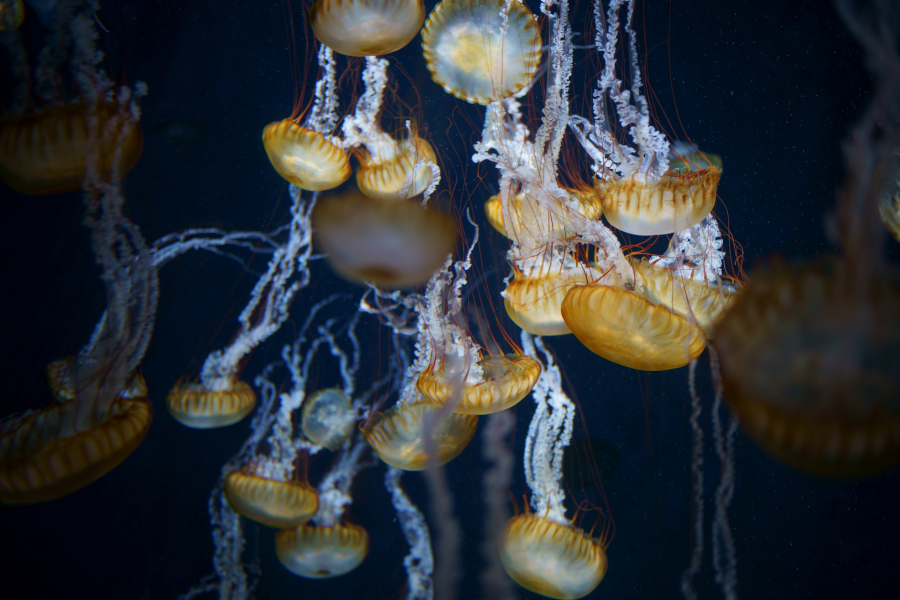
[195,406]
[12,13]
[328,418]
[550,558]
[396,435]
[477,53]
[305,157]
[535,303]
[674,203]
[389,243]
[45,153]
[384,178]
[506,379]
[366,27]
[279,504]
[318,552]
[627,329]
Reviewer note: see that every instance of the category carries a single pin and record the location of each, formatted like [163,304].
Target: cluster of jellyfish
[806,356]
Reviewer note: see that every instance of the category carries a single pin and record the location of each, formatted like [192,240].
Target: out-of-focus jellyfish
[328,418]
[308,155]
[327,547]
[12,13]
[481,50]
[60,378]
[889,205]
[49,453]
[542,550]
[366,27]
[810,353]
[220,399]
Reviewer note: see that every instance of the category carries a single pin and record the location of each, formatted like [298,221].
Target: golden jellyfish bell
[12,13]
[813,369]
[396,435]
[506,379]
[366,27]
[321,552]
[279,504]
[625,328]
[304,157]
[384,179]
[535,303]
[392,244]
[195,406]
[676,202]
[551,559]
[556,226]
[42,458]
[469,56]
[46,153]
[328,418]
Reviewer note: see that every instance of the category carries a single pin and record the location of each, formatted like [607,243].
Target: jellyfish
[889,205]
[328,418]
[220,398]
[12,13]
[366,27]
[272,502]
[810,352]
[542,550]
[481,51]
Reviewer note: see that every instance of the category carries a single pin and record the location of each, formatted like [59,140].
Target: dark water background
[771,86]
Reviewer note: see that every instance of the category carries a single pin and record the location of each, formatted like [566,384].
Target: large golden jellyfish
[476,54]
[810,353]
[366,27]
[279,504]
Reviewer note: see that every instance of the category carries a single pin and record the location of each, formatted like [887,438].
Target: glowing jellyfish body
[279,504]
[328,418]
[674,203]
[321,552]
[384,179]
[43,458]
[197,407]
[366,27]
[45,153]
[389,243]
[304,157]
[551,559]
[12,13]
[470,56]
[506,380]
[535,303]
[625,328]
[516,218]
[396,435]
[813,370]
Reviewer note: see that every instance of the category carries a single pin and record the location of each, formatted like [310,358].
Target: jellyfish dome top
[328,418]
[366,27]
[260,494]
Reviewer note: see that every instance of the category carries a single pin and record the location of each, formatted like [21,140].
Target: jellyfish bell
[402,166]
[518,218]
[535,303]
[813,369]
[396,435]
[12,13]
[551,559]
[319,552]
[506,379]
[676,202]
[389,243]
[366,27]
[328,418]
[279,504]
[471,57]
[627,329]
[305,157]
[194,405]
[46,152]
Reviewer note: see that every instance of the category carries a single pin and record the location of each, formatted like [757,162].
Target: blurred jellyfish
[328,418]
[366,27]
[12,13]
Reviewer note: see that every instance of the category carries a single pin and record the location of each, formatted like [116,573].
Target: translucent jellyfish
[60,378]
[46,152]
[535,303]
[366,27]
[625,328]
[320,552]
[198,407]
[12,13]
[392,244]
[305,157]
[396,435]
[523,216]
[396,172]
[542,550]
[328,418]
[279,504]
[480,53]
